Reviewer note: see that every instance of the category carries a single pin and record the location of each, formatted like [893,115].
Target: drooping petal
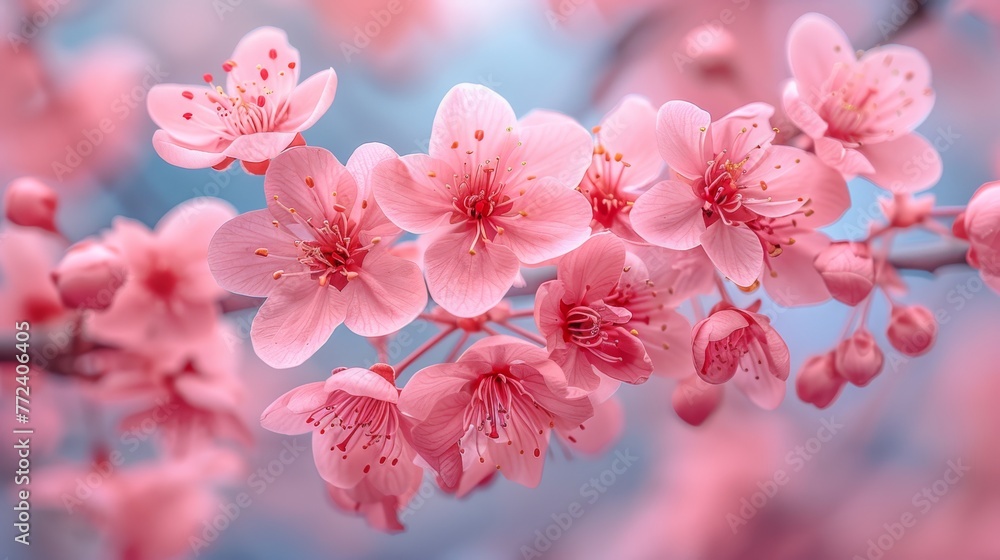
[907,164]
[297,318]
[468,284]
[735,250]
[387,294]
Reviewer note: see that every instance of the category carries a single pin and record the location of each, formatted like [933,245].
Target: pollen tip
[277,274]
[261,252]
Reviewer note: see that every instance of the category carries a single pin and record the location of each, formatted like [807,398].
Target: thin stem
[458,347]
[521,313]
[522,331]
[719,283]
[947,211]
[432,319]
[422,349]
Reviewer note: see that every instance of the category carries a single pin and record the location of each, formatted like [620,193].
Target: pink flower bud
[858,358]
[848,270]
[29,202]
[818,382]
[89,275]
[981,226]
[695,400]
[912,329]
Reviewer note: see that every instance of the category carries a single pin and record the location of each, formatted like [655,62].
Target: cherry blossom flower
[861,110]
[319,250]
[584,334]
[357,430]
[380,510]
[848,270]
[492,410]
[741,343]
[495,193]
[728,176]
[169,292]
[980,225]
[625,162]
[261,111]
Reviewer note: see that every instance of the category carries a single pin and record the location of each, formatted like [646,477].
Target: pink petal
[343,470]
[716,327]
[765,391]
[277,417]
[695,400]
[362,382]
[801,113]
[387,294]
[825,192]
[188,227]
[815,45]
[793,280]
[168,106]
[902,75]
[560,148]
[735,250]
[596,435]
[630,129]
[411,191]
[465,110]
[849,161]
[422,393]
[681,134]
[297,318]
[435,437]
[590,272]
[669,215]
[286,185]
[309,101]
[634,366]
[907,164]
[549,220]
[666,337]
[232,258]
[256,49]
[743,131]
[467,284]
[175,153]
[259,146]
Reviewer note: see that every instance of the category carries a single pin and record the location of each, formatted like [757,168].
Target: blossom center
[358,423]
[602,185]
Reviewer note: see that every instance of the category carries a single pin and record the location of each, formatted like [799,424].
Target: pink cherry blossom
[912,329]
[848,270]
[89,275]
[625,162]
[357,430]
[491,410]
[980,224]
[861,110]
[741,343]
[29,202]
[904,210]
[818,382]
[319,250]
[858,358]
[495,191]
[728,176]
[169,292]
[261,111]
[584,334]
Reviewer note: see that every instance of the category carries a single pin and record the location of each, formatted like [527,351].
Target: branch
[930,259]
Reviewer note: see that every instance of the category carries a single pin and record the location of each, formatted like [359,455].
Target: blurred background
[919,444]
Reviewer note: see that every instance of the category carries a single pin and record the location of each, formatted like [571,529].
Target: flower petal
[297,318]
[682,137]
[735,250]
[669,215]
[548,220]
[468,284]
[387,294]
